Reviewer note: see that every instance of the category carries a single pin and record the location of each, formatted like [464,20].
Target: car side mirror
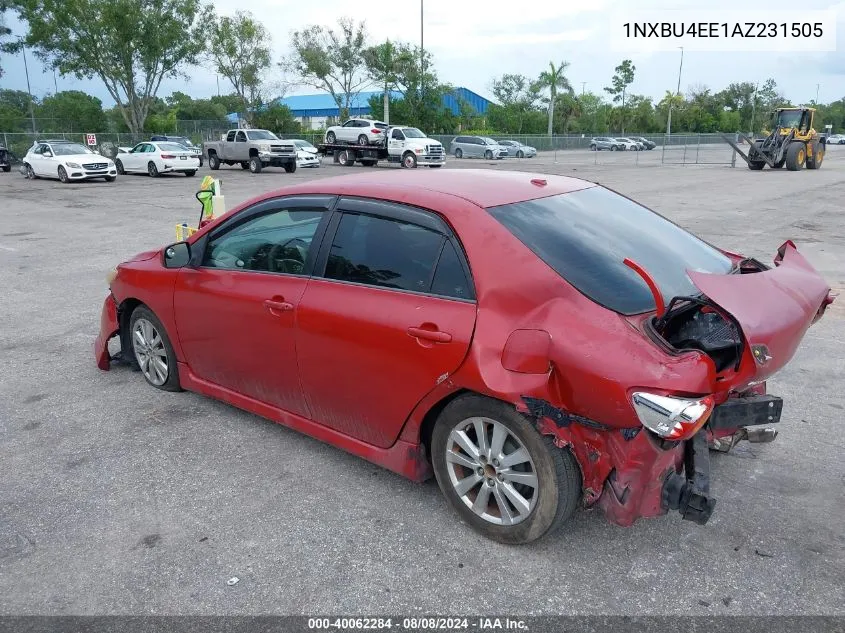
[177,255]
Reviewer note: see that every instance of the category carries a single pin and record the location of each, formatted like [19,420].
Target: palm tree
[554,79]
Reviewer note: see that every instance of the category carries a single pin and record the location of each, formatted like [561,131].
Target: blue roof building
[322,106]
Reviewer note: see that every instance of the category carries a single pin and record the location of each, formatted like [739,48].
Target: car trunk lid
[774,307]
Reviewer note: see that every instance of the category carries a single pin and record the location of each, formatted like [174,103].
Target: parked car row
[621,143]
[486,147]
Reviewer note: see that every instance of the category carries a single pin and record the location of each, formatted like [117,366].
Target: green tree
[553,80]
[331,60]
[188,109]
[623,77]
[518,97]
[385,63]
[230,103]
[5,31]
[277,118]
[130,45]
[239,48]
[70,111]
[14,110]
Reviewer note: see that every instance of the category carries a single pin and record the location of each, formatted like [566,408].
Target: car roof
[482,187]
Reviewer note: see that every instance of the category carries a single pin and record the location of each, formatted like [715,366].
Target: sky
[474,41]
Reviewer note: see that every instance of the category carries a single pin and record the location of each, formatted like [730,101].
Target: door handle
[430,334]
[279,305]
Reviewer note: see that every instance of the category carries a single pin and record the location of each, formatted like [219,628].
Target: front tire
[255,165]
[118,164]
[488,155]
[796,155]
[330,138]
[213,162]
[815,161]
[459,153]
[507,481]
[520,154]
[613,148]
[63,175]
[290,167]
[152,350]
[409,161]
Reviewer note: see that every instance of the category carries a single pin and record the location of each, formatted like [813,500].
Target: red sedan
[535,342]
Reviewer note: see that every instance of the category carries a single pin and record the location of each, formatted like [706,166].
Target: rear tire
[796,156]
[152,170]
[512,503]
[815,161]
[152,350]
[592,148]
[330,138]
[363,140]
[613,148]
[255,165]
[213,162]
[344,159]
[7,168]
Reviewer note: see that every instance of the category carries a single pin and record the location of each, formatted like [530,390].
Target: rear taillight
[375,130]
[168,156]
[670,417]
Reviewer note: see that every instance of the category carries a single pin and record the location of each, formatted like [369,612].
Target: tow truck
[402,144]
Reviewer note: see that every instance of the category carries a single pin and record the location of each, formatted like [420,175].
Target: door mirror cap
[177,255]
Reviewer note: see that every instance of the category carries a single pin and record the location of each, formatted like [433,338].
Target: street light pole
[583,83]
[817,93]
[28,88]
[672,101]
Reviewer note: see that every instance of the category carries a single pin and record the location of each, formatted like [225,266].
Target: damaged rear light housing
[671,417]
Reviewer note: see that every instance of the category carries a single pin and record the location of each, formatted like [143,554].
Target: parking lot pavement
[117,498]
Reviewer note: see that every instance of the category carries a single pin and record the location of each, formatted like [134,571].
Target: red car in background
[535,342]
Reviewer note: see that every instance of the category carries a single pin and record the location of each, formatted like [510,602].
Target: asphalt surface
[116,498]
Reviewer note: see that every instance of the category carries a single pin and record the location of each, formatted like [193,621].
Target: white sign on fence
[91,139]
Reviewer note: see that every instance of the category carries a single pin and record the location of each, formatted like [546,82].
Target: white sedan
[358,131]
[306,154]
[157,158]
[67,161]
[836,139]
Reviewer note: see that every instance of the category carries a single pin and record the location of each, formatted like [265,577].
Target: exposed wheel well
[430,418]
[253,152]
[124,313]
[212,152]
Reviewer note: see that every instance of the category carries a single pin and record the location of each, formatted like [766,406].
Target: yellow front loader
[793,142]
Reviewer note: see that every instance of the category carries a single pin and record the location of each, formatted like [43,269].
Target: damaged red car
[536,343]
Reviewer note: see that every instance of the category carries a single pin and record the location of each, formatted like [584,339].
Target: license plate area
[183,158]
[735,413]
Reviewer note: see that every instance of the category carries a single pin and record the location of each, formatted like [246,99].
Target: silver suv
[605,142]
[478,147]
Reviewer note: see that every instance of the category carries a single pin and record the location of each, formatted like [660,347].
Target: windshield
[69,149]
[789,118]
[586,235]
[302,144]
[488,141]
[261,135]
[182,141]
[412,132]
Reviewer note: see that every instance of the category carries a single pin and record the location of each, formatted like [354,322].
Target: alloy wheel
[491,471]
[150,352]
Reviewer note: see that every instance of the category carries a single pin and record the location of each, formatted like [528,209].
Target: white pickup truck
[402,144]
[251,149]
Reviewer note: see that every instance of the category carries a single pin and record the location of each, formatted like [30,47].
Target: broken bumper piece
[729,421]
[108,328]
[689,493]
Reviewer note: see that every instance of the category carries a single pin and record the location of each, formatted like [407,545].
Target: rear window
[381,126]
[585,236]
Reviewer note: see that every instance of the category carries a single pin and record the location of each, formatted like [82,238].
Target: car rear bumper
[632,474]
[189,164]
[109,327]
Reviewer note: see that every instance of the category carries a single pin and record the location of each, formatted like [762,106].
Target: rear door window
[586,235]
